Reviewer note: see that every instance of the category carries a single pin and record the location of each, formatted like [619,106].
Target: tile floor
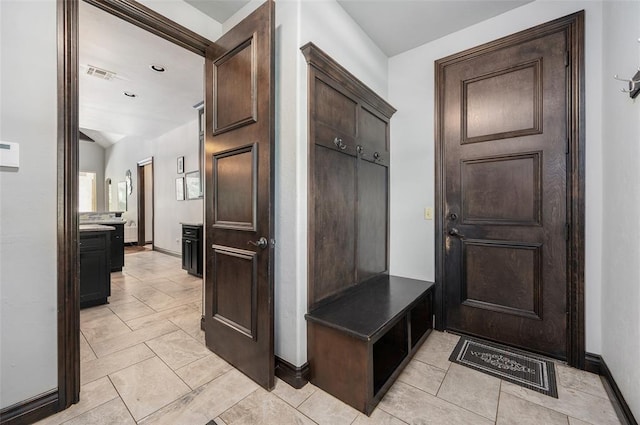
[144,361]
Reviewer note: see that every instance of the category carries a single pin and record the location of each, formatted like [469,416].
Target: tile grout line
[122,399]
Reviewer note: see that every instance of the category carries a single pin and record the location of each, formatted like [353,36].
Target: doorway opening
[145,202]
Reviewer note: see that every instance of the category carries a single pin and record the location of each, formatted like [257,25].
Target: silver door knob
[260,243]
[455,232]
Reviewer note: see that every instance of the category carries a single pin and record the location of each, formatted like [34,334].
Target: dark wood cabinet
[192,249]
[363,325]
[117,247]
[95,267]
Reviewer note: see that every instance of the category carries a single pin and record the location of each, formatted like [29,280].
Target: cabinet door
[117,248]
[187,254]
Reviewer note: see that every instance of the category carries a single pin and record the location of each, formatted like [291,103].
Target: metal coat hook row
[633,83]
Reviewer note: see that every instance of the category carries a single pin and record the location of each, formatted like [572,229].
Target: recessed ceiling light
[129,94]
[157,68]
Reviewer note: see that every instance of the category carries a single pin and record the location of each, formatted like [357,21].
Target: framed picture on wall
[192,185]
[180,164]
[180,189]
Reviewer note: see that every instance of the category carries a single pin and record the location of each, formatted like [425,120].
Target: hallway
[143,360]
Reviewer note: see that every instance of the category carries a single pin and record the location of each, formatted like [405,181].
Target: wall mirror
[122,196]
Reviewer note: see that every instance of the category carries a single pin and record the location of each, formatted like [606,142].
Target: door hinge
[567,58]
[567,231]
[433,321]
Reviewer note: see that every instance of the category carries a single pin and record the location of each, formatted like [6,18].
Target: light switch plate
[9,154]
[428,213]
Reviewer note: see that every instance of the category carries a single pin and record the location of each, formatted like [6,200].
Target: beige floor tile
[91,395]
[86,353]
[110,413]
[574,421]
[131,310]
[203,371]
[190,323]
[151,319]
[570,402]
[295,397]
[327,410]
[206,402]
[177,349]
[580,380]
[105,328]
[417,407]
[471,390]
[103,366]
[378,417]
[262,407]
[172,288]
[437,349]
[516,411]
[148,386]
[93,313]
[423,376]
[120,342]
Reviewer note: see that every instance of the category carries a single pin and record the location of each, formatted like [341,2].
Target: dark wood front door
[239,108]
[504,139]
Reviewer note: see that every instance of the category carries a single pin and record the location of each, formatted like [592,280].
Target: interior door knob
[260,243]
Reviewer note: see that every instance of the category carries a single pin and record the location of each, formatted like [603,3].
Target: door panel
[505,136]
[239,146]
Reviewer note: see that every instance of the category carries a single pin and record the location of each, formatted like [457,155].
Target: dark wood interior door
[505,144]
[239,182]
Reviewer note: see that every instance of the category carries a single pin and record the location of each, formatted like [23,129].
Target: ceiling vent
[103,74]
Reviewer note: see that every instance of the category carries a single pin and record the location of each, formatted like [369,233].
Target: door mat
[506,363]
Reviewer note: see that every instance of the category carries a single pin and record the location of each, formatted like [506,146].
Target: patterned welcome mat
[506,363]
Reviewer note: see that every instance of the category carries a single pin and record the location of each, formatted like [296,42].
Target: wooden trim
[573,26]
[68,391]
[147,19]
[296,376]
[167,252]
[320,60]
[595,363]
[30,411]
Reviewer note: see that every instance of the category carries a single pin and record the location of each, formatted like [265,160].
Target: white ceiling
[400,25]
[220,10]
[165,100]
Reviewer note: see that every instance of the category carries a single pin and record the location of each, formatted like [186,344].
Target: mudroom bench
[360,342]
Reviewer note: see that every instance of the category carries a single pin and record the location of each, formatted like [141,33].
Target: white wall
[28,271]
[411,91]
[188,16]
[168,212]
[92,161]
[621,201]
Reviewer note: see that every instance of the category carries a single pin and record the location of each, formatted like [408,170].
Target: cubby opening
[420,317]
[388,352]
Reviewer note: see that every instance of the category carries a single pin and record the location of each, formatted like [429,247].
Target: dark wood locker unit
[363,325]
[192,249]
[95,267]
[117,247]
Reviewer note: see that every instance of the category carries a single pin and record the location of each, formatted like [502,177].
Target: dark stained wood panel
[335,109]
[373,133]
[517,282]
[559,140]
[502,104]
[235,100]
[335,231]
[235,291]
[504,189]
[372,218]
[235,196]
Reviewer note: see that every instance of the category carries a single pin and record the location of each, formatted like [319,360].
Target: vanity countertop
[95,228]
[190,224]
[106,222]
